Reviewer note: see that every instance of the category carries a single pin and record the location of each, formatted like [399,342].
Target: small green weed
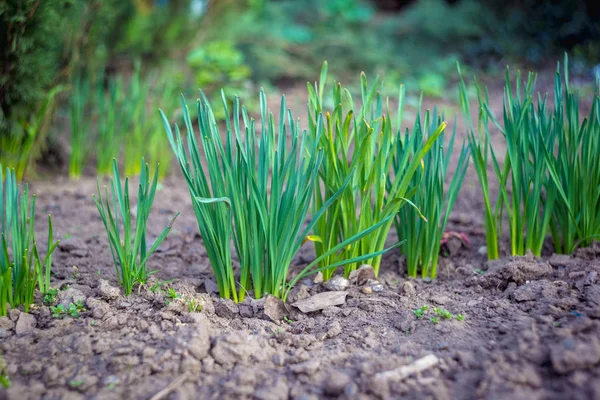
[460,317]
[50,296]
[75,383]
[443,313]
[419,312]
[157,286]
[73,310]
[434,320]
[194,305]
[172,294]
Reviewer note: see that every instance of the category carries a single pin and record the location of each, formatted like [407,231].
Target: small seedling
[419,312]
[75,383]
[172,294]
[194,305]
[157,286]
[443,313]
[460,317]
[434,320]
[50,296]
[288,320]
[73,310]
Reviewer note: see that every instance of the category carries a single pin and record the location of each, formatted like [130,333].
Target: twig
[405,371]
[172,386]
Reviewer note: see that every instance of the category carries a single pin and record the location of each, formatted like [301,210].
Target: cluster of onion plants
[422,225]
[256,191]
[359,145]
[549,179]
[108,114]
[126,236]
[21,267]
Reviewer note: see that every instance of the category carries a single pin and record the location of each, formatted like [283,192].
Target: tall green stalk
[128,241]
[135,122]
[359,146]
[422,226]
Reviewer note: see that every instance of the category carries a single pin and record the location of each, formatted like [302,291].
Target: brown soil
[531,328]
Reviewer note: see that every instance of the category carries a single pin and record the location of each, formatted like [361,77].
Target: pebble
[107,291]
[25,324]
[364,273]
[408,288]
[482,251]
[337,283]
[375,285]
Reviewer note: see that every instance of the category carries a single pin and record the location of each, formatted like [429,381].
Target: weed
[73,310]
[194,305]
[158,284]
[172,294]
[434,320]
[460,317]
[50,296]
[420,312]
[75,383]
[442,313]
[4,379]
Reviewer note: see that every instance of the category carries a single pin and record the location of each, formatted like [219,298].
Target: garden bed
[530,328]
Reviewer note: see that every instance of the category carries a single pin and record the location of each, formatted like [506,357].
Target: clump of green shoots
[256,192]
[79,126]
[109,140]
[21,267]
[422,228]
[359,144]
[128,241]
[573,149]
[523,176]
[550,178]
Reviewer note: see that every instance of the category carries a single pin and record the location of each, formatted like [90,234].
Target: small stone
[274,308]
[408,288]
[334,330]
[13,314]
[318,277]
[482,251]
[367,290]
[321,300]
[6,323]
[107,291]
[337,283]
[364,273]
[246,310]
[375,285]
[25,324]
[226,309]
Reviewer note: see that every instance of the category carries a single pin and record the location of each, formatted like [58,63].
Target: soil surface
[531,327]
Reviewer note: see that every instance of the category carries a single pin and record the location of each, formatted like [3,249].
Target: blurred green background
[78,75]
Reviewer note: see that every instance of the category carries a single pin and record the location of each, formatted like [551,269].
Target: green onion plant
[109,140]
[573,155]
[255,191]
[359,145]
[78,106]
[127,238]
[20,264]
[422,228]
[549,173]
[135,121]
